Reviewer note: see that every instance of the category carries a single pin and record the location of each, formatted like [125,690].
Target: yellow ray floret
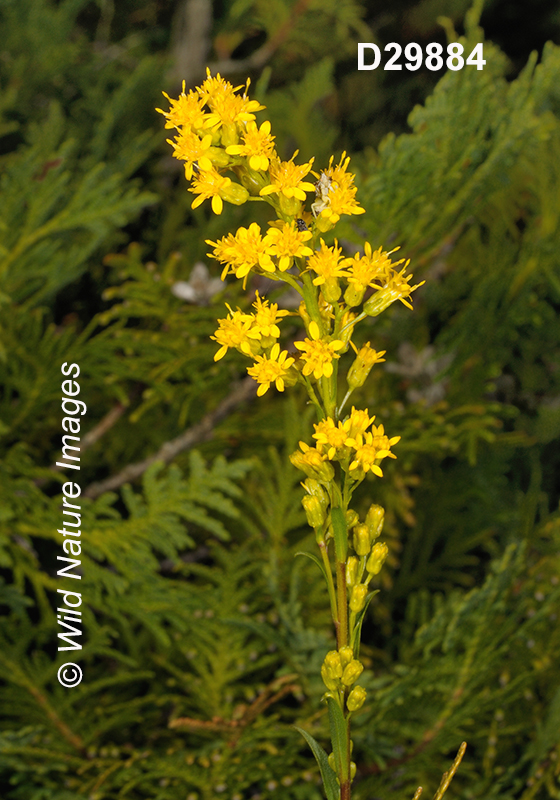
[186,112]
[326,263]
[358,422]
[258,146]
[370,447]
[263,322]
[390,287]
[286,242]
[313,463]
[287,178]
[371,266]
[271,369]
[330,436]
[211,184]
[191,149]
[233,332]
[318,354]
[229,111]
[242,251]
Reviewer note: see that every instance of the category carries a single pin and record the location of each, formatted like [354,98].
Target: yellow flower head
[210,184]
[335,193]
[357,423]
[394,286]
[365,359]
[258,146]
[263,323]
[326,263]
[318,354]
[371,447]
[313,463]
[287,178]
[369,267]
[214,88]
[228,110]
[242,251]
[286,242]
[271,370]
[191,149]
[186,111]
[233,332]
[331,436]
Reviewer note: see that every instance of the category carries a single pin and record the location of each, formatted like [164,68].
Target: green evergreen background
[203,633]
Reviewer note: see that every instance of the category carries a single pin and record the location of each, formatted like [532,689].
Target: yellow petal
[221,353]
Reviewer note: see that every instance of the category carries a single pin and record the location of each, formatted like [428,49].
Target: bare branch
[200,432]
[191,40]
[92,437]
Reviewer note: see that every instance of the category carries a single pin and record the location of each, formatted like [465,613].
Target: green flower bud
[331,671]
[315,489]
[290,206]
[377,558]
[352,672]
[361,367]
[352,770]
[362,544]
[313,464]
[235,193]
[331,290]
[218,157]
[332,762]
[314,511]
[229,134]
[374,520]
[358,597]
[252,181]
[352,567]
[356,698]
[323,224]
[346,655]
[379,301]
[351,518]
[353,295]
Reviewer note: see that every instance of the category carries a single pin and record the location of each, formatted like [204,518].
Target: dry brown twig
[201,432]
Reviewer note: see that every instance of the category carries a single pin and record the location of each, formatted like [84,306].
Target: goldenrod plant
[229,158]
[203,636]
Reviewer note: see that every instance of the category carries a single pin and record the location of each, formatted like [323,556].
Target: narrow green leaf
[328,775]
[340,533]
[315,559]
[339,736]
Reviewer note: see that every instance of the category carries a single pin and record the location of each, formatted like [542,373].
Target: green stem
[341,406]
[290,280]
[342,604]
[314,399]
[350,324]
[330,583]
[310,297]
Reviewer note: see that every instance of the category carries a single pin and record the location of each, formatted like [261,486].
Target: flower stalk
[228,158]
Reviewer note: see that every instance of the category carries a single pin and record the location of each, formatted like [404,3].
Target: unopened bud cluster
[369,557]
[339,672]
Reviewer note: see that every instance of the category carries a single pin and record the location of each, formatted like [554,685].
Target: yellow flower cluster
[229,157]
[350,443]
